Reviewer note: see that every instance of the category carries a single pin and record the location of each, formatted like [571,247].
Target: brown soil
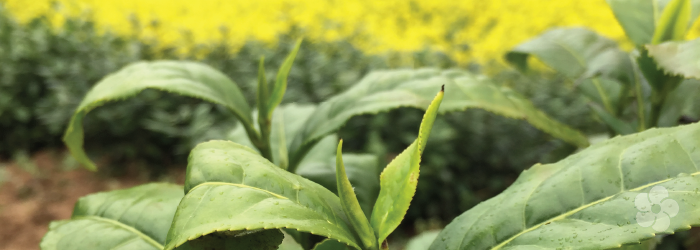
[30,201]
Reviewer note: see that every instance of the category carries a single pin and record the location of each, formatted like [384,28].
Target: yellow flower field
[469,30]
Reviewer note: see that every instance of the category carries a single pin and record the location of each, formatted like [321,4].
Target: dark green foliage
[472,155]
[46,73]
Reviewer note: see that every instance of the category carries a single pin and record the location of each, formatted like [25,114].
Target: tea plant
[278,173]
[626,190]
[294,138]
[628,91]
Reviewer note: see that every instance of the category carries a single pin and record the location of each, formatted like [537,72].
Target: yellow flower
[468,31]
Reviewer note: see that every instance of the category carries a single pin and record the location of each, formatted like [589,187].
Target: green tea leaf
[230,189]
[639,17]
[330,245]
[278,140]
[399,179]
[621,191]
[599,68]
[673,22]
[257,239]
[678,58]
[289,243]
[619,126]
[649,244]
[263,95]
[566,50]
[287,120]
[281,82]
[385,90]
[681,102]
[183,78]
[134,218]
[422,241]
[658,78]
[318,164]
[362,171]
[350,205]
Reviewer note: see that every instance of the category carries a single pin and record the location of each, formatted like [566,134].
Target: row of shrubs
[45,72]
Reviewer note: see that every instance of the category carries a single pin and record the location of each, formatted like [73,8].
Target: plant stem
[640,102]
[657,101]
[264,119]
[265,127]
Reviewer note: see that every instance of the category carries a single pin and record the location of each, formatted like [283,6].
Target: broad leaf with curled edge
[184,78]
[385,90]
[678,58]
[231,188]
[589,199]
[136,219]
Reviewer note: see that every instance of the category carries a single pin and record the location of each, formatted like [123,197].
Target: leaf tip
[340,148]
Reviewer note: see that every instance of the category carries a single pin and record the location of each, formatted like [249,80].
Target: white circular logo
[654,209]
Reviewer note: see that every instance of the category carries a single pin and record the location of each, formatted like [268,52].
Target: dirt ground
[41,190]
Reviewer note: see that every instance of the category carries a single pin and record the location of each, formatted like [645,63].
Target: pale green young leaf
[399,179]
[362,171]
[673,22]
[595,199]
[350,205]
[281,81]
[385,90]
[136,218]
[184,78]
[231,190]
[678,58]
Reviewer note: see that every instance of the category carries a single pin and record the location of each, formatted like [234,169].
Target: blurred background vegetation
[52,52]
